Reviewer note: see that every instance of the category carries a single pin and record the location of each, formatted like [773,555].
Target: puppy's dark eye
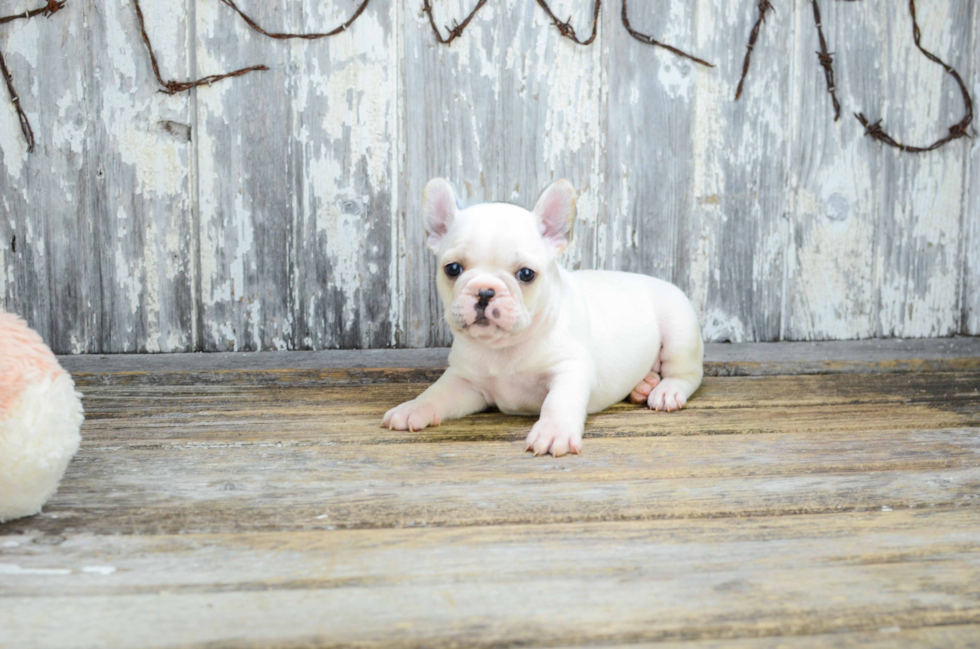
[526,275]
[454,269]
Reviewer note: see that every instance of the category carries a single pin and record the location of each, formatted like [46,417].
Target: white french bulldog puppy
[531,337]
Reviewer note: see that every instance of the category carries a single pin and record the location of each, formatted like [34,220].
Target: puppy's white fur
[564,344]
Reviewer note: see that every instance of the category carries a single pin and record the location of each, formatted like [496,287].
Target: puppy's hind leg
[681,358]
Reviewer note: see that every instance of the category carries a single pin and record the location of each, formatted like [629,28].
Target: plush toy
[40,419]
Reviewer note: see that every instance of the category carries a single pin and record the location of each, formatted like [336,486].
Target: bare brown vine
[956,131]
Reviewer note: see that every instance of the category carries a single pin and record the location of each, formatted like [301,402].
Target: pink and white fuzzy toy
[40,419]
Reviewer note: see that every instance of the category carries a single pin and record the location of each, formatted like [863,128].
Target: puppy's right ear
[438,210]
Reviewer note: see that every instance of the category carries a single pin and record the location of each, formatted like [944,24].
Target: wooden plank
[289,488]
[917,264]
[746,359]
[970,318]
[741,174]
[960,636]
[552,97]
[296,195]
[578,584]
[653,225]
[351,415]
[101,208]
[834,177]
[453,112]
[308,559]
[139,400]
[151,451]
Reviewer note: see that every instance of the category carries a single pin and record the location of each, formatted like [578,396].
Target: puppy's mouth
[481,316]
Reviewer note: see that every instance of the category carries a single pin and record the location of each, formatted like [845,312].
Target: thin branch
[566,29]
[956,131]
[649,40]
[171,86]
[52,7]
[25,124]
[827,61]
[764,8]
[283,36]
[457,30]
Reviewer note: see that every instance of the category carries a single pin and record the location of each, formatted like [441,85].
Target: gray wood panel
[651,224]
[101,209]
[552,96]
[834,177]
[921,196]
[452,111]
[971,205]
[296,178]
[741,172]
[290,219]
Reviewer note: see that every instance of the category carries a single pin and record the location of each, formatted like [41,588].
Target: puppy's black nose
[486,295]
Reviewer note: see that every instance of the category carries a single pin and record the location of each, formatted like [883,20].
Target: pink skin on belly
[501,310]
[24,358]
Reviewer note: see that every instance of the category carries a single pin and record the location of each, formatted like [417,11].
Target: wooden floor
[253,500]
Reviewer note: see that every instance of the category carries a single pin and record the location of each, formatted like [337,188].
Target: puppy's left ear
[554,213]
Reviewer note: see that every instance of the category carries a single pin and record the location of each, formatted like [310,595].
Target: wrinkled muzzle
[485,302]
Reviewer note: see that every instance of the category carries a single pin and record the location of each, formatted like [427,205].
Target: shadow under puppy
[530,337]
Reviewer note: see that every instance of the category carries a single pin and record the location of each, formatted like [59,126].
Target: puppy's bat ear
[554,213]
[438,210]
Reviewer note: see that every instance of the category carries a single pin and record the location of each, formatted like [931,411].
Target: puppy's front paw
[411,415]
[669,395]
[555,437]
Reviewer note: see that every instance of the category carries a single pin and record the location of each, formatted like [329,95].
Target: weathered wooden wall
[280,210]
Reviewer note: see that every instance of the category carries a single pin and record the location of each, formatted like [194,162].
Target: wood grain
[580,583]
[921,198]
[835,175]
[836,509]
[101,211]
[297,181]
[651,223]
[425,365]
[452,107]
[970,292]
[280,210]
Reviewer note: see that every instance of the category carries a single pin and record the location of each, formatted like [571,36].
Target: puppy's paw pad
[642,391]
[669,396]
[555,438]
[412,416]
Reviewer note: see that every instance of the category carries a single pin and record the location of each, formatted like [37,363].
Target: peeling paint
[307,177]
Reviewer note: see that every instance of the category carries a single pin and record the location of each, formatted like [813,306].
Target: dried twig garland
[52,7]
[566,29]
[254,25]
[764,8]
[25,124]
[649,40]
[826,61]
[171,86]
[958,130]
[457,30]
